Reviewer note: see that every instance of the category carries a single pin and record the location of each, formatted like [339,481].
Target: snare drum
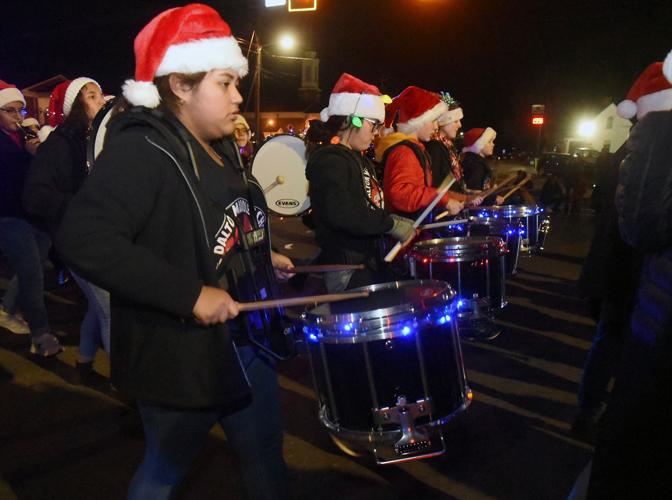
[533,223]
[388,369]
[485,223]
[475,266]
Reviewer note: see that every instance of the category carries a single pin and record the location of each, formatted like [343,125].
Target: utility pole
[257,94]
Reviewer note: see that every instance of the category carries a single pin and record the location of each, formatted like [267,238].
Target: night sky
[496,56]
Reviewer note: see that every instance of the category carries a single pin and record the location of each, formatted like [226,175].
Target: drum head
[98,131]
[384,300]
[280,168]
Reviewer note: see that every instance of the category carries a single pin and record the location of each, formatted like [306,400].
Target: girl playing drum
[348,208]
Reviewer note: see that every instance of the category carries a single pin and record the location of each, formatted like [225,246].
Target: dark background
[496,56]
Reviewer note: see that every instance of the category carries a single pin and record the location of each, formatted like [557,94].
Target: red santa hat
[63,97]
[9,93]
[411,109]
[476,139]
[188,39]
[352,96]
[652,91]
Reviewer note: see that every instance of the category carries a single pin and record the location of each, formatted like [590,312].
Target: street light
[287,42]
[587,128]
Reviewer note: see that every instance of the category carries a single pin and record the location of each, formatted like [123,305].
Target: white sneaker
[13,323]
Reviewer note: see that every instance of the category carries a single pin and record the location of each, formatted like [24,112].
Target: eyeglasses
[13,111]
[376,126]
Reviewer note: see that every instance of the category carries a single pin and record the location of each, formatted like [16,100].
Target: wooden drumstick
[483,194]
[325,268]
[444,224]
[277,182]
[301,301]
[518,186]
[442,190]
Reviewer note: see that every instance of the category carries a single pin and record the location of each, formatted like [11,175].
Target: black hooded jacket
[14,164]
[343,188]
[56,174]
[138,227]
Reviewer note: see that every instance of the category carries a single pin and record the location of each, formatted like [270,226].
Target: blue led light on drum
[444,319]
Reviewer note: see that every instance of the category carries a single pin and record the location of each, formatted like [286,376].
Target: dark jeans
[604,355]
[174,438]
[24,245]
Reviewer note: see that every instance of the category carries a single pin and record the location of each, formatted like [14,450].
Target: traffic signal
[302,5]
[537,120]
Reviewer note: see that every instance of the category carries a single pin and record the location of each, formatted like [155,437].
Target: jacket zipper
[205,233]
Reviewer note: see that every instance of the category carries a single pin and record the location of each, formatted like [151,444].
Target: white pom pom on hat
[626,109]
[652,91]
[667,67]
[187,39]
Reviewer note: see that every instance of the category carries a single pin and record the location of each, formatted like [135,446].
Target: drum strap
[419,154]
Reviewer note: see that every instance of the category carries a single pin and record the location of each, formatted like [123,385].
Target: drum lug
[413,441]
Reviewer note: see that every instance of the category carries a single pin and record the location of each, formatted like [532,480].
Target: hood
[389,140]
[328,149]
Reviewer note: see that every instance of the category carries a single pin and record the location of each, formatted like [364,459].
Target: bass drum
[280,168]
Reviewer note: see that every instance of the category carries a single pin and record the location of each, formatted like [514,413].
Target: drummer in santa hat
[479,145]
[168,223]
[412,117]
[346,197]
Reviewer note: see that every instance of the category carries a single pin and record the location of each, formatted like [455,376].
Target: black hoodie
[138,227]
[347,205]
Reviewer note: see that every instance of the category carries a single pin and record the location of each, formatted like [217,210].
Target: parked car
[555,163]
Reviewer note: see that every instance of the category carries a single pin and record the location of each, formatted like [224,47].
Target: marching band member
[25,245]
[347,200]
[407,177]
[479,145]
[56,174]
[167,222]
[441,150]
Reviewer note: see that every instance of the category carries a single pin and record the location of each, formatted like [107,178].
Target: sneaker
[13,323]
[45,345]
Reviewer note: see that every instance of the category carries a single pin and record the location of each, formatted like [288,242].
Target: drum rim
[371,326]
[484,246]
[509,211]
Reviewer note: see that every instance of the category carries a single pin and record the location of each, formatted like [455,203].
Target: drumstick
[325,268]
[442,190]
[444,224]
[483,194]
[518,186]
[301,301]
[278,181]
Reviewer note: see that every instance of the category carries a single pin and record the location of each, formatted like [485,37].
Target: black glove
[402,229]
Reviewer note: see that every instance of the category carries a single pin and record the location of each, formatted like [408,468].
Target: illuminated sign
[275,3]
[538,120]
[302,5]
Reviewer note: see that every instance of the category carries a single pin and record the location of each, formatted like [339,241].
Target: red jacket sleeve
[404,183]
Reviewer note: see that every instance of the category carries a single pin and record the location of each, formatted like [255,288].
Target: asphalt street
[63,440]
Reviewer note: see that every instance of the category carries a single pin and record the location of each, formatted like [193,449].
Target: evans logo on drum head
[287,203]
[280,168]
